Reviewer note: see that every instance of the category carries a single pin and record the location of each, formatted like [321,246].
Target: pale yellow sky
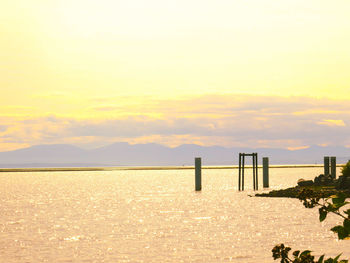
[69,58]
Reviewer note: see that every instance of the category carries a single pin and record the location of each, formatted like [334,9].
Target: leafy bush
[333,204]
[282,252]
[346,170]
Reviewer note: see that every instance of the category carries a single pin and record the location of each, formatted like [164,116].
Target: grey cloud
[3,128]
[243,127]
[132,127]
[242,118]
[53,118]
[237,118]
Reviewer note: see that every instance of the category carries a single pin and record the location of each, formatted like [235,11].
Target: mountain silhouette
[152,154]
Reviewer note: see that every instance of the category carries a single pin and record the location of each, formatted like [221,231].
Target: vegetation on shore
[322,186]
[294,192]
[330,199]
[334,204]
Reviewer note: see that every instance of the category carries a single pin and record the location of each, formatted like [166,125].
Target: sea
[156,216]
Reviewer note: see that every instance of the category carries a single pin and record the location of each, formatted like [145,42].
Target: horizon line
[136,168]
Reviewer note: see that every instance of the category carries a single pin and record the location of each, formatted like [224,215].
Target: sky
[255,73]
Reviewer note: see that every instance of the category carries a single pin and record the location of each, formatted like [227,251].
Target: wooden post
[239,172]
[326,165]
[243,161]
[266,171]
[254,176]
[198,173]
[333,167]
[256,171]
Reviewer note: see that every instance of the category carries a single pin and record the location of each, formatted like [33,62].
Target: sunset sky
[256,73]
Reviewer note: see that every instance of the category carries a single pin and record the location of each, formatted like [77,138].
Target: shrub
[346,170]
[333,204]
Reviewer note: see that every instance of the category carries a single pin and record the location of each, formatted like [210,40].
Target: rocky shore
[293,192]
[322,186]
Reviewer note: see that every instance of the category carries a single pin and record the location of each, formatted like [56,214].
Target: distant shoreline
[136,168]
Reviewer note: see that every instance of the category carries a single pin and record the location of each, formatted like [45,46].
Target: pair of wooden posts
[333,165]
[255,171]
[241,170]
[198,172]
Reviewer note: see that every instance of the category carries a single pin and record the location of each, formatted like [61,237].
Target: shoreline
[323,191]
[137,168]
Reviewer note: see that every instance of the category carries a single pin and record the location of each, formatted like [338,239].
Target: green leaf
[336,228]
[341,231]
[305,252]
[343,261]
[296,253]
[320,260]
[346,224]
[339,198]
[347,212]
[337,257]
[323,214]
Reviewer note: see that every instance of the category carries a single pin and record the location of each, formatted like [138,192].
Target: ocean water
[155,216]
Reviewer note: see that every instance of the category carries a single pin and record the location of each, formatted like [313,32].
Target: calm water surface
[154,216]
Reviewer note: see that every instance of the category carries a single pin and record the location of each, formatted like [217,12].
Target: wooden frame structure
[241,170]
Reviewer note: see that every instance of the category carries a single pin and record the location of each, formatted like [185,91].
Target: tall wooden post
[333,167]
[265,171]
[254,176]
[198,173]
[243,161]
[326,165]
[239,172]
[256,171]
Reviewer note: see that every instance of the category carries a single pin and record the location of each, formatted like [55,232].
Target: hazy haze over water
[154,216]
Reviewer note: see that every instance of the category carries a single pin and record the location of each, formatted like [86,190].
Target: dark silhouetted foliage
[346,169]
[332,204]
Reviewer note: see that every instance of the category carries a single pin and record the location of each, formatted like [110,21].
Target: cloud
[132,127]
[332,122]
[3,128]
[227,120]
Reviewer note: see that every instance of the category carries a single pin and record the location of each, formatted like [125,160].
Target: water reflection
[154,216]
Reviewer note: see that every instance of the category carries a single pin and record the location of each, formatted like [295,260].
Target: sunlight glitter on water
[154,216]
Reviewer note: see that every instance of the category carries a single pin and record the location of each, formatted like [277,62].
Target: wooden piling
[265,171]
[326,165]
[256,171]
[243,161]
[198,173]
[239,172]
[254,176]
[333,167]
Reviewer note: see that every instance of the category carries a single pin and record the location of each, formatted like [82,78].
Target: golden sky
[107,61]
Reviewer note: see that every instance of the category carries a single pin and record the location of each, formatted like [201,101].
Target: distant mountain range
[124,154]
